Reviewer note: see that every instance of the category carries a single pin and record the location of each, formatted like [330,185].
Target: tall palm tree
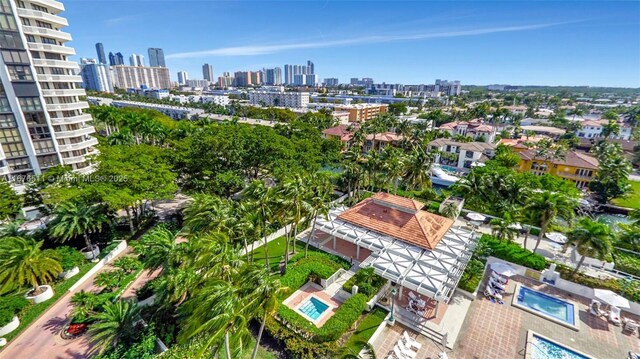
[207,213]
[262,199]
[114,325]
[592,239]
[321,190]
[610,129]
[73,219]
[22,262]
[292,197]
[418,166]
[503,229]
[157,248]
[84,304]
[394,166]
[548,206]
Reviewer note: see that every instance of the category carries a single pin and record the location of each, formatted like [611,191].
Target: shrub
[627,262]
[367,281]
[631,289]
[110,279]
[472,276]
[128,264]
[322,256]
[10,306]
[69,257]
[512,252]
[303,268]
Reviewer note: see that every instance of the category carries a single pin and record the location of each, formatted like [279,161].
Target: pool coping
[576,314]
[528,349]
[330,308]
[328,312]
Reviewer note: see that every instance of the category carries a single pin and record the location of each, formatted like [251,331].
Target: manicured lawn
[632,200]
[365,330]
[276,249]
[32,312]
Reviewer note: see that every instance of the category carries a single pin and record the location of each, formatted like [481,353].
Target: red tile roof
[345,132]
[385,137]
[400,218]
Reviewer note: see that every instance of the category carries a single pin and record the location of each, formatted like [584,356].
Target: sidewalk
[42,338]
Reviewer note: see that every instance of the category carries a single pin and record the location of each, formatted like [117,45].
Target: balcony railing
[67,92]
[56,63]
[78,146]
[59,78]
[67,106]
[70,120]
[36,46]
[75,133]
[39,15]
[41,31]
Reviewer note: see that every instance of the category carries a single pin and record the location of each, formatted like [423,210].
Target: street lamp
[392,319]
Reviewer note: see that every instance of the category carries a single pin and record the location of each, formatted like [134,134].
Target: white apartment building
[279,98]
[126,77]
[175,112]
[215,99]
[42,123]
[95,76]
[461,155]
[593,129]
[136,60]
[183,77]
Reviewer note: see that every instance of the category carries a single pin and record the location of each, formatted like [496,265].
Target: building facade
[100,51]
[226,80]
[577,167]
[593,129]
[279,98]
[116,59]
[273,77]
[363,111]
[156,57]
[475,129]
[42,123]
[331,82]
[207,72]
[462,155]
[183,77]
[95,75]
[136,60]
[126,77]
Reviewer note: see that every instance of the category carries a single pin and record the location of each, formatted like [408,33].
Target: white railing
[35,14]
[334,277]
[55,63]
[34,30]
[52,48]
[110,256]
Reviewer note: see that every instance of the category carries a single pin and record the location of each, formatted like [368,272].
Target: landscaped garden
[632,200]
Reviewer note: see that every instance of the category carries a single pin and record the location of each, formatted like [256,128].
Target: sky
[594,43]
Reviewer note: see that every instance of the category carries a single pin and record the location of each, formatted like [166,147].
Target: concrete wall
[117,250]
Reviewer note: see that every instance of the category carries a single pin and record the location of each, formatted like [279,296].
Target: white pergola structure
[433,273]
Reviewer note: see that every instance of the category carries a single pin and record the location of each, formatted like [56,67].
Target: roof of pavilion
[431,272]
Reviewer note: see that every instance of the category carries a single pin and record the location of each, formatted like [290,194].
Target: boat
[441,177]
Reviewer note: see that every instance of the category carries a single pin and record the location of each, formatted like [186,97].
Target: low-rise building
[577,167]
[476,129]
[517,110]
[362,112]
[215,99]
[462,155]
[593,129]
[548,131]
[279,98]
[175,112]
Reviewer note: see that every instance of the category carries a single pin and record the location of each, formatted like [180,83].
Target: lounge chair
[594,308]
[499,278]
[634,355]
[410,342]
[413,296]
[490,292]
[405,350]
[497,285]
[630,326]
[398,353]
[614,315]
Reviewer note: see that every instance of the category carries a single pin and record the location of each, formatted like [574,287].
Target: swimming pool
[313,308]
[545,305]
[540,347]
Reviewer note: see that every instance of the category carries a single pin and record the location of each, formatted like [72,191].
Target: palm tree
[72,220]
[418,166]
[12,229]
[262,198]
[114,325]
[321,190]
[292,197]
[393,166]
[157,248]
[592,239]
[548,206]
[610,129]
[22,262]
[84,304]
[207,213]
[450,210]
[503,229]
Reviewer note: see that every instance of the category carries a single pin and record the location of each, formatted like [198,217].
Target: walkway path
[42,338]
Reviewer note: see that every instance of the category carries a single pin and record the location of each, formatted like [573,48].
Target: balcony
[75,133]
[53,6]
[67,106]
[78,146]
[68,92]
[85,170]
[39,15]
[76,159]
[41,31]
[69,120]
[37,46]
[59,78]
[56,63]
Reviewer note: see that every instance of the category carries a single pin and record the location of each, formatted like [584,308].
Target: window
[4,105]
[48,160]
[52,56]
[14,149]
[30,38]
[20,73]
[43,146]
[10,40]
[48,40]
[21,4]
[25,21]
[5,6]
[46,25]
[39,8]
[39,132]
[8,22]
[16,57]
[8,135]
[19,164]
[7,120]
[58,71]
[30,104]
[469,154]
[35,118]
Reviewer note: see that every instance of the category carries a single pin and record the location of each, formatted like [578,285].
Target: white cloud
[250,50]
[118,20]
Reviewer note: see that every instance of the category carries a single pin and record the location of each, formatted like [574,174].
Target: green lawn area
[632,200]
[276,249]
[365,330]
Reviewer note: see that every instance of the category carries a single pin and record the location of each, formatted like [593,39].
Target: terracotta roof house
[577,167]
[474,128]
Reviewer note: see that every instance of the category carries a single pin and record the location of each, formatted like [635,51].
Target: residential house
[593,129]
[577,167]
[476,129]
[461,155]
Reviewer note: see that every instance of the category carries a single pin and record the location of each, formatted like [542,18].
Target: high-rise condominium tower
[100,50]
[207,72]
[183,76]
[136,60]
[41,120]
[156,57]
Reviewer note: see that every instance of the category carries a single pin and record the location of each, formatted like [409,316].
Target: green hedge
[344,317]
[315,265]
[513,252]
[631,289]
[10,306]
[367,281]
[472,276]
[627,262]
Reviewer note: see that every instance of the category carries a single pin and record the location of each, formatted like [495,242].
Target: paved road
[42,338]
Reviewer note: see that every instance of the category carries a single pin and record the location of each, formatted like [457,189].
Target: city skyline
[478,43]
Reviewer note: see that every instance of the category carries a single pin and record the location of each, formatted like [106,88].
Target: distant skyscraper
[310,68]
[273,76]
[116,59]
[156,57]
[100,50]
[95,76]
[207,72]
[331,82]
[136,60]
[288,74]
[183,77]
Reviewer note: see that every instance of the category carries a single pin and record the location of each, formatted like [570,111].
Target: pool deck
[305,292]
[492,330]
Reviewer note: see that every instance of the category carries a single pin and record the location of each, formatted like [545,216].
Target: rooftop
[468,146]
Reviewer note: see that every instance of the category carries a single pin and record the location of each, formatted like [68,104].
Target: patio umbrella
[503,269]
[516,226]
[557,237]
[611,298]
[476,216]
